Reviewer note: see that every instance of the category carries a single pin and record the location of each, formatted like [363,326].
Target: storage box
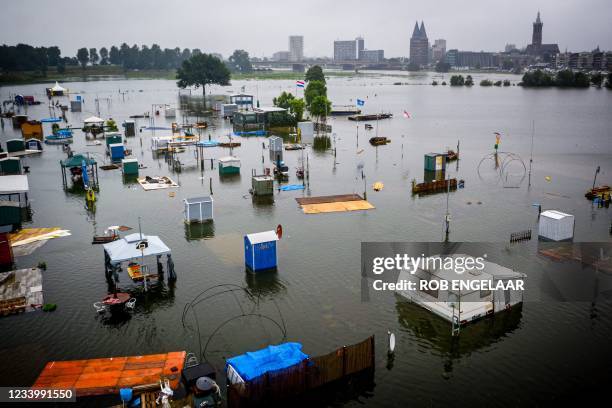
[130,128]
[435,161]
[198,209]
[262,185]
[260,251]
[130,167]
[116,151]
[556,226]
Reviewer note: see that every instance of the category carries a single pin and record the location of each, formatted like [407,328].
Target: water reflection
[321,144]
[264,283]
[436,332]
[263,201]
[199,230]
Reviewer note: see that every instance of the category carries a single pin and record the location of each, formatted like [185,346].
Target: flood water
[537,354]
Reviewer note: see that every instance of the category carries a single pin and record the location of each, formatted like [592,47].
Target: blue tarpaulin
[253,364]
[51,120]
[291,187]
[208,143]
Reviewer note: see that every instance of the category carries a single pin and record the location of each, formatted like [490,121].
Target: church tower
[536,39]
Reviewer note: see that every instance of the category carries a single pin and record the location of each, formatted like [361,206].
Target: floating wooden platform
[20,291]
[103,376]
[333,203]
[434,186]
[360,118]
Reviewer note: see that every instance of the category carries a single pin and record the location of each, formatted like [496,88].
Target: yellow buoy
[378,186]
[548,178]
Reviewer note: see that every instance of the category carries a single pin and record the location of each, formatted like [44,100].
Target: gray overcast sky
[262,27]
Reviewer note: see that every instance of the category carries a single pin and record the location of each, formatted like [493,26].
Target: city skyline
[473,27]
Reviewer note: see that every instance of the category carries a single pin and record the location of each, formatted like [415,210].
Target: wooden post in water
[210,185]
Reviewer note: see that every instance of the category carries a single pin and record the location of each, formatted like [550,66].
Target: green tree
[93,56]
[297,107]
[565,78]
[114,56]
[597,79]
[83,56]
[609,81]
[506,82]
[103,56]
[469,81]
[314,89]
[581,80]
[202,70]
[283,100]
[239,61]
[53,56]
[538,78]
[486,82]
[457,80]
[315,73]
[320,107]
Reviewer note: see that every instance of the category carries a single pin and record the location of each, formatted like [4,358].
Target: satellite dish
[279,231]
[391,342]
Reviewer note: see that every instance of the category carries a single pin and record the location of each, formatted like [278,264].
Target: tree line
[565,78]
[23,57]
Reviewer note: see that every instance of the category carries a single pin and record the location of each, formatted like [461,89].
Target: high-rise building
[360,46]
[296,48]
[345,50]
[438,50]
[419,46]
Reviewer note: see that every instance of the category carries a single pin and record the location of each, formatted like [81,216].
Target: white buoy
[391,342]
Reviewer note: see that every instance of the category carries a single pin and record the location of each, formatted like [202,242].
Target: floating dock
[361,118]
[333,203]
[104,376]
[434,186]
[20,291]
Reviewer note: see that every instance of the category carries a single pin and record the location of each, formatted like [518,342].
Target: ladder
[456,322]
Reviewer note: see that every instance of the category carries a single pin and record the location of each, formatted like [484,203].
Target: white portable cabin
[556,226]
[306,132]
[170,112]
[160,142]
[227,110]
[464,305]
[198,209]
[14,188]
[276,144]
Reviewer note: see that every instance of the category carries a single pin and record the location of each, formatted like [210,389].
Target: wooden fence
[312,373]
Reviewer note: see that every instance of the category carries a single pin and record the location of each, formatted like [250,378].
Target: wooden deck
[334,203]
[20,290]
[104,376]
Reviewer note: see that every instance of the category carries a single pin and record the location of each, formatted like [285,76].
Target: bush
[469,81]
[486,82]
[506,82]
[434,83]
[457,80]
[498,83]
[444,83]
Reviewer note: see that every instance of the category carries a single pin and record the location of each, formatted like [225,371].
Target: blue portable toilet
[116,151]
[260,251]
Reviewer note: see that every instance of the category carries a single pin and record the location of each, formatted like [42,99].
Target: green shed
[262,185]
[130,167]
[15,145]
[10,165]
[113,138]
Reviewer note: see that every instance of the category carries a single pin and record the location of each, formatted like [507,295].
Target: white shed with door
[555,225]
[198,209]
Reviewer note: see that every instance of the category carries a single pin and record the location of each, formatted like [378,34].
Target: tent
[129,247]
[93,119]
[250,365]
[58,88]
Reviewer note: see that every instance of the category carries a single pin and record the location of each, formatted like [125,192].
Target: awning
[93,119]
[129,247]
[77,161]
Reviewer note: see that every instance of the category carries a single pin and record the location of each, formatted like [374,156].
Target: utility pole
[447,215]
[531,154]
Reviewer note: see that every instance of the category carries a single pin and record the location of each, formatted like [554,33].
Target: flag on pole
[406,115]
[360,102]
[299,84]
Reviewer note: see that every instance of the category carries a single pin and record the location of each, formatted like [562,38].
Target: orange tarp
[102,376]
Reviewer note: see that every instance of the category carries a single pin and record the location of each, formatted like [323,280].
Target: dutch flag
[299,84]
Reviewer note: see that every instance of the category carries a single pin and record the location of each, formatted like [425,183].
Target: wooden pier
[361,118]
[434,186]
